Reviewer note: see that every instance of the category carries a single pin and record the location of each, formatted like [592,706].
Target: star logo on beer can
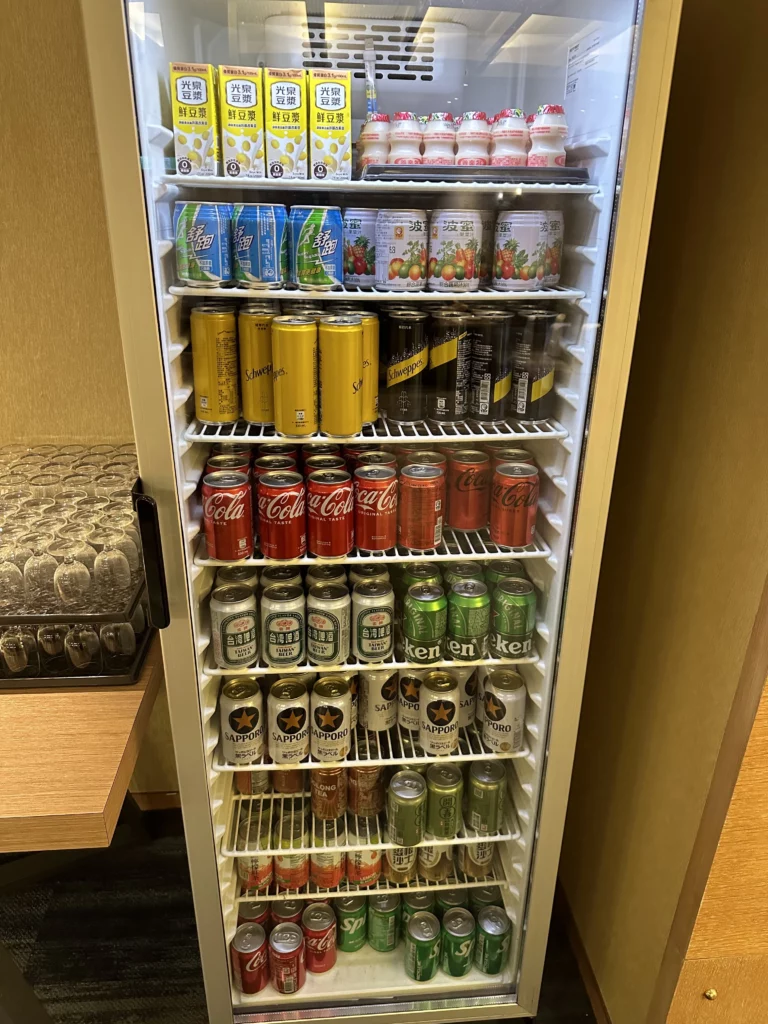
[494,709]
[327,718]
[470,687]
[244,720]
[441,712]
[292,720]
[389,689]
[409,690]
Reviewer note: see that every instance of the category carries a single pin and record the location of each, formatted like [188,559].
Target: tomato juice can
[254,869]
[291,833]
[514,504]
[330,513]
[227,516]
[406,352]
[214,363]
[376,493]
[254,336]
[282,519]
[250,968]
[316,247]
[294,375]
[318,922]
[287,958]
[450,367]
[202,232]
[421,507]
[359,226]
[364,866]
[340,362]
[455,243]
[401,250]
[259,245]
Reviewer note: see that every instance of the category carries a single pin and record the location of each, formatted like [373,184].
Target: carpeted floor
[111,940]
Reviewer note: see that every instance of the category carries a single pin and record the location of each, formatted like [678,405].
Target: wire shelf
[369,295]
[269,185]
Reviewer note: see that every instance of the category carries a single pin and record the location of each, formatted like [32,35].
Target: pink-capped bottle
[548,133]
[509,139]
[440,140]
[373,141]
[473,138]
[405,137]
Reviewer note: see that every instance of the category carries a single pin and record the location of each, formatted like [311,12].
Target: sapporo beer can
[373,616]
[288,711]
[280,575]
[458,942]
[234,626]
[250,968]
[368,574]
[330,513]
[375,508]
[425,616]
[468,491]
[351,917]
[202,232]
[445,791]
[260,245]
[283,620]
[287,958]
[504,700]
[438,714]
[318,922]
[254,333]
[282,519]
[406,808]
[533,368]
[294,375]
[331,708]
[214,363]
[328,623]
[469,617]
[467,680]
[491,376]
[315,235]
[378,700]
[494,933]
[422,946]
[421,507]
[450,365]
[241,721]
[340,363]
[514,505]
[513,619]
[406,352]
[383,921]
[408,686]
[485,796]
[370,323]
[227,516]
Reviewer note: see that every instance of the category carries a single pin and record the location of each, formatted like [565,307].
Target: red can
[250,968]
[287,912]
[331,513]
[514,503]
[279,448]
[317,462]
[375,508]
[236,448]
[320,448]
[287,964]
[421,507]
[229,464]
[318,922]
[271,463]
[377,459]
[353,452]
[469,490]
[282,518]
[227,516]
[426,459]
[501,455]
[253,912]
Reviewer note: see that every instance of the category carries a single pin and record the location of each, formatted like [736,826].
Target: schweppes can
[254,329]
[450,364]
[214,363]
[294,375]
[407,358]
[370,366]
[340,362]
[492,358]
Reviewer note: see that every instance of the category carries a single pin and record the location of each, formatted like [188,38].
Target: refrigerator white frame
[109,67]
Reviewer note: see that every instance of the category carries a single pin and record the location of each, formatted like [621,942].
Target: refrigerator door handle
[154,567]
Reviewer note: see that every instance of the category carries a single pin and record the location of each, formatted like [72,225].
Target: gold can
[254,329]
[214,363]
[435,861]
[341,375]
[370,366]
[294,375]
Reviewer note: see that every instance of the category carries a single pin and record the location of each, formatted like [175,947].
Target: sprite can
[445,788]
[202,232]
[422,946]
[315,242]
[457,939]
[469,616]
[484,896]
[494,932]
[384,922]
[352,917]
[457,572]
[425,614]
[503,569]
[513,618]
[412,903]
[447,899]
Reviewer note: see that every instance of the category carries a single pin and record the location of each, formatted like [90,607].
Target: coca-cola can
[250,968]
[375,508]
[468,490]
[229,448]
[318,922]
[421,507]
[287,912]
[319,448]
[352,453]
[422,458]
[282,519]
[315,463]
[227,516]
[514,503]
[271,463]
[287,963]
[253,912]
[229,464]
[279,448]
[502,455]
[377,459]
[331,513]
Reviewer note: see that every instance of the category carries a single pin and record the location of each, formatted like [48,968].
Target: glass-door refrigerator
[405,241]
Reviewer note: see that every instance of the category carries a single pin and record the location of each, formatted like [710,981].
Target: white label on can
[402,858]
[242,730]
[455,244]
[373,639]
[401,249]
[235,638]
[378,700]
[289,732]
[520,251]
[429,856]
[438,724]
[327,637]
[283,638]
[504,720]
[408,703]
[330,730]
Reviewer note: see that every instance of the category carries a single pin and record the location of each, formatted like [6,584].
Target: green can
[513,618]
[469,616]
[413,902]
[485,796]
[422,946]
[425,616]
[419,572]
[315,234]
[457,572]
[406,808]
[503,569]
[352,919]
[445,789]
[447,899]
[457,941]
[384,921]
[484,896]
[494,933]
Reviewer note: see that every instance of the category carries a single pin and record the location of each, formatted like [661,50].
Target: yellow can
[294,375]
[214,363]
[341,375]
[254,328]
[370,366]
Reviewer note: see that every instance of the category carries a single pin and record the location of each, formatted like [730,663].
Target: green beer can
[457,940]
[485,796]
[448,899]
[513,619]
[412,903]
[494,933]
[425,615]
[406,808]
[502,569]
[484,896]
[352,918]
[422,946]
[458,572]
[445,789]
[384,921]
[469,616]
[418,572]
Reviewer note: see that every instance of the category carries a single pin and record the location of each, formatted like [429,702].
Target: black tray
[506,176]
[40,618]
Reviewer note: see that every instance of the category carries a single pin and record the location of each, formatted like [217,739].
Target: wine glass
[118,643]
[9,507]
[19,652]
[78,481]
[50,644]
[44,450]
[127,449]
[78,450]
[14,448]
[19,495]
[102,449]
[71,581]
[14,482]
[93,503]
[83,651]
[111,569]
[11,581]
[78,534]
[39,571]
[92,463]
[124,543]
[122,520]
[107,482]
[20,551]
[39,505]
[50,524]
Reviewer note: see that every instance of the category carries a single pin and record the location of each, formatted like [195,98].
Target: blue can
[260,245]
[203,243]
[316,234]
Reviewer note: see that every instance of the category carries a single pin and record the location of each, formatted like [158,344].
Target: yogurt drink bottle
[548,134]
[405,137]
[373,141]
[439,140]
[509,139]
[473,138]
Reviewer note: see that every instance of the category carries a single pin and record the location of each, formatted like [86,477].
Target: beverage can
[340,362]
[330,513]
[254,870]
[351,917]
[450,366]
[468,491]
[422,946]
[383,921]
[469,616]
[435,862]
[554,256]
[491,374]
[485,796]
[494,933]
[320,462]
[282,626]
[366,791]
[291,833]
[370,366]
[325,574]
[241,103]
[474,860]
[438,714]
[467,680]
[195,119]
[318,922]
[229,464]
[287,958]
[227,516]
[412,903]
[445,790]
[260,245]
[288,713]
[514,505]
[294,375]
[285,122]
[203,234]
[504,721]
[401,250]
[250,968]
[375,508]
[373,613]
[378,700]
[368,574]
[328,626]
[241,718]
[330,120]
[533,368]
[214,364]
[409,684]
[331,708]
[520,250]
[364,866]
[425,613]
[287,912]
[406,808]
[282,520]
[359,247]
[421,506]
[280,575]
[405,350]
[484,896]
[253,912]
[399,864]
[329,792]
[316,247]
[455,242]
[254,333]
[457,942]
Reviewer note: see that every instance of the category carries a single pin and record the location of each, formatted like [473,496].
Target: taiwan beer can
[408,686]
[234,626]
[227,516]
[351,917]
[214,363]
[421,507]
[384,921]
[469,616]
[340,363]
[288,712]
[329,793]
[203,236]
[533,368]
[375,508]
[468,491]
[294,375]
[368,574]
[514,504]
[370,366]
[406,352]
[450,364]
[287,958]
[315,235]
[243,575]
[425,616]
[491,374]
[406,808]
[325,575]
[494,933]
[422,946]
[513,619]
[485,797]
[373,615]
[438,714]
[280,575]
[260,245]
[504,723]
[318,922]
[283,621]
[328,624]
[458,942]
[445,791]
[254,333]
[250,969]
[330,513]
[241,721]
[282,519]
[378,700]
[330,731]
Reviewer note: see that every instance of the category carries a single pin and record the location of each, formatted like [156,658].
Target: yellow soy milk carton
[241,106]
[285,122]
[330,124]
[195,120]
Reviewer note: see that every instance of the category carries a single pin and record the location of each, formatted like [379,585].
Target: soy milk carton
[330,124]
[241,105]
[285,122]
[195,120]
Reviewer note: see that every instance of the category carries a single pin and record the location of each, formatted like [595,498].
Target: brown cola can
[366,791]
[329,792]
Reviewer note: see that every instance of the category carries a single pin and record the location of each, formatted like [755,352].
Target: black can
[533,367]
[491,374]
[450,364]
[407,361]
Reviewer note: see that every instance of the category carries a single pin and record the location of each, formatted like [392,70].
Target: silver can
[234,627]
[368,574]
[408,686]
[241,721]
[283,625]
[467,680]
[378,700]
[246,575]
[351,679]
[328,615]
[438,714]
[482,675]
[330,730]
[401,239]
[504,711]
[452,232]
[373,618]
[288,713]
[325,574]
[285,575]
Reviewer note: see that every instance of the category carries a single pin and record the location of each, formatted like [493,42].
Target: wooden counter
[65,760]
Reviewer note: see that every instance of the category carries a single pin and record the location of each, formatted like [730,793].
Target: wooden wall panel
[740,985]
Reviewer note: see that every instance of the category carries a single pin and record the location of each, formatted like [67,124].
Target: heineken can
[494,932]
[504,711]
[377,706]
[328,615]
[330,732]
[368,574]
[373,614]
[485,796]
[399,864]
[408,686]
[352,923]
[383,921]
[422,946]
[445,789]
[315,237]
[327,574]
[288,713]
[484,896]
[245,575]
[469,615]
[438,714]
[503,569]
[282,625]
[234,626]
[513,619]
[241,721]
[425,612]
[458,572]
[412,903]
[457,939]
[467,680]
[406,808]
